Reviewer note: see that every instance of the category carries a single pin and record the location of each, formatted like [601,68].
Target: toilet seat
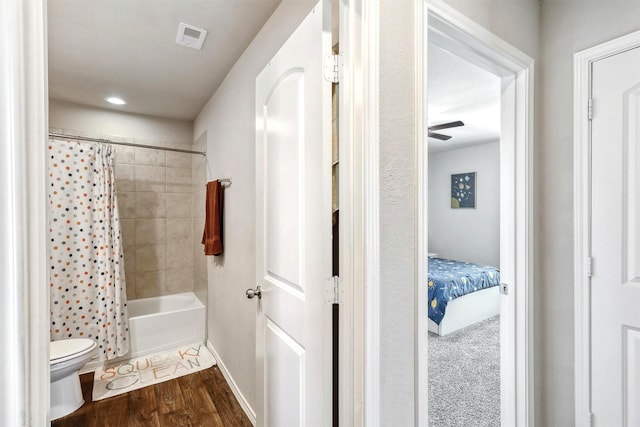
[63,350]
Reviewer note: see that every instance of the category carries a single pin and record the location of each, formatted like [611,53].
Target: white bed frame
[467,310]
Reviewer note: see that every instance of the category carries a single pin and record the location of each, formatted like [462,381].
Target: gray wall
[101,122]
[567,27]
[397,201]
[466,234]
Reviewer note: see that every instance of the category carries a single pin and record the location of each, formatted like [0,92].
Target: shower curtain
[86,276]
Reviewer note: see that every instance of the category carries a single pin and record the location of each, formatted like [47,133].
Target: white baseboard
[234,387]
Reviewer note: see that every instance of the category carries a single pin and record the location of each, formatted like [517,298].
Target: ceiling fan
[443,126]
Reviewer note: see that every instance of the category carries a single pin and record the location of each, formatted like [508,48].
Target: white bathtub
[161,323]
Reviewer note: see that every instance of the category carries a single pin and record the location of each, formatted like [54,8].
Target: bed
[461,294]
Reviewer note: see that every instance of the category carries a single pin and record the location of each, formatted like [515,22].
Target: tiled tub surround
[199,178]
[155,191]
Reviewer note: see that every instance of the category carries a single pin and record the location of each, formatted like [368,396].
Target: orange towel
[212,235]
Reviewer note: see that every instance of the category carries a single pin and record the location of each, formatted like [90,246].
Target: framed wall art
[463,190]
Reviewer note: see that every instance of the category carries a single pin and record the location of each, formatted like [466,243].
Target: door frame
[24,296]
[582,76]
[456,33]
[359,356]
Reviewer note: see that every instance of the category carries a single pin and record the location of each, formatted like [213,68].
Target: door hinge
[333,290]
[504,288]
[589,266]
[333,68]
[590,109]
[590,418]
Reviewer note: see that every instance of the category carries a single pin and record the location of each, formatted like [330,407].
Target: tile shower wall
[155,197]
[199,178]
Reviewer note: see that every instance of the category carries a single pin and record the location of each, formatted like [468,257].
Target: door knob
[257,292]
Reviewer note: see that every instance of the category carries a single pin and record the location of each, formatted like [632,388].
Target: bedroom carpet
[464,376]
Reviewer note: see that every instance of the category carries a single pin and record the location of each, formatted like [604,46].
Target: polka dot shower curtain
[86,277]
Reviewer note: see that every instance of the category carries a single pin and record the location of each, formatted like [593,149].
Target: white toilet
[67,357]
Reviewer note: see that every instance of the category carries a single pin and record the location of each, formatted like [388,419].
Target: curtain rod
[130,144]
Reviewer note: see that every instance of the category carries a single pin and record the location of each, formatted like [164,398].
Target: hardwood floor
[197,400]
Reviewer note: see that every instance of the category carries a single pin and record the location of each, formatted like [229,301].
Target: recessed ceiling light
[115,100]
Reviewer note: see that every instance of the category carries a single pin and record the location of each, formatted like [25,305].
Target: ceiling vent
[191,36]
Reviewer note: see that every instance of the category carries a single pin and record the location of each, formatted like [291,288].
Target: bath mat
[124,376]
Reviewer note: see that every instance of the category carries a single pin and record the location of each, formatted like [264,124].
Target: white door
[615,240]
[293,229]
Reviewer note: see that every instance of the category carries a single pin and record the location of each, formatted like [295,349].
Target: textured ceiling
[99,48]
[459,90]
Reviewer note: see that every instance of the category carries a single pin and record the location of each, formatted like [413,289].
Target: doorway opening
[464,241]
[454,34]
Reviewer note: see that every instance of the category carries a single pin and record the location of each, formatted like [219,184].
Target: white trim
[248,410]
[371,214]
[456,33]
[350,329]
[24,295]
[421,317]
[350,326]
[508,309]
[525,380]
[359,377]
[582,62]
[483,47]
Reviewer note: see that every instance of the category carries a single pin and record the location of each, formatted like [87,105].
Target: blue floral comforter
[449,279]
